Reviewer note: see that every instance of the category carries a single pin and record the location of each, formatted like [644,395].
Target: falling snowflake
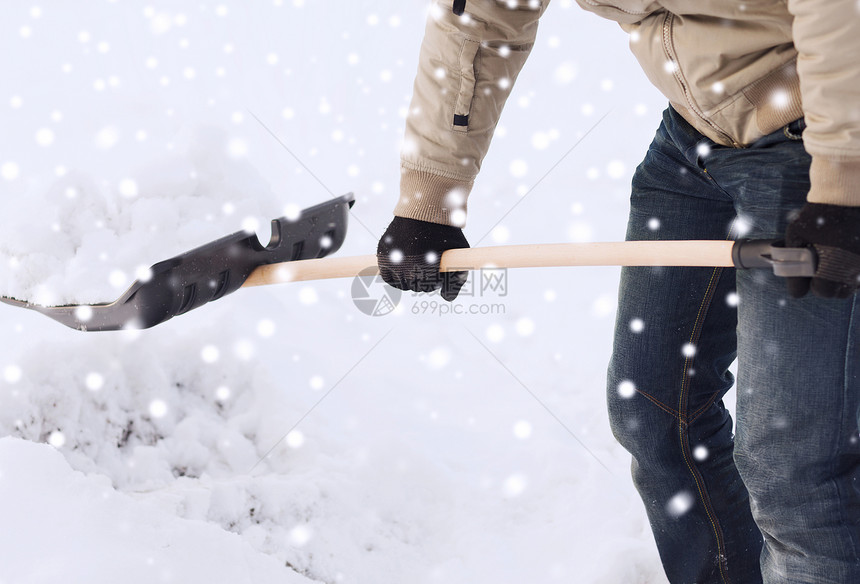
[300,535]
[616,169]
[780,99]
[741,226]
[45,137]
[522,429]
[118,279]
[237,148]
[143,273]
[94,381]
[250,225]
[604,306]
[439,357]
[295,439]
[525,326]
[626,389]
[515,485]
[160,23]
[12,374]
[495,333]
[244,349]
[679,504]
[266,328]
[107,137]
[566,73]
[580,232]
[458,218]
[128,187]
[158,408]
[540,140]
[308,295]
[210,354]
[83,313]
[57,439]
[500,234]
[9,170]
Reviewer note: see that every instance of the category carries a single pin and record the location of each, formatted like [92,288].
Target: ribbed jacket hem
[432,197]
[835,181]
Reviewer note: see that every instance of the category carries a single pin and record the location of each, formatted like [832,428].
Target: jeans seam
[698,413]
[683,428]
[675,414]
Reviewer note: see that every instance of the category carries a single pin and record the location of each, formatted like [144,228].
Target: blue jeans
[779,500]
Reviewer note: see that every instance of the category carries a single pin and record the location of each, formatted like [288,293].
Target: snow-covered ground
[280,434]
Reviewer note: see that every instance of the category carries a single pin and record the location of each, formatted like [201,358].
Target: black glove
[833,231]
[409,253]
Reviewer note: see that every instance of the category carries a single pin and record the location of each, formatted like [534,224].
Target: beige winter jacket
[735,69]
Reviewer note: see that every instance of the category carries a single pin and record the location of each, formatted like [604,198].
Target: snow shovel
[209,272]
[296,249]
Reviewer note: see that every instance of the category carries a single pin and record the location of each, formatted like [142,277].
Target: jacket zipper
[669,48]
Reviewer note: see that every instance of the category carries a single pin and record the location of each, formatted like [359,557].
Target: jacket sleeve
[470,57]
[827,38]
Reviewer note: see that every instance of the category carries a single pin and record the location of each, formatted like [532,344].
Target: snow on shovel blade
[208,272]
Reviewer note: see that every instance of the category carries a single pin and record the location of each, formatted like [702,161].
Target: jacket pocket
[468,80]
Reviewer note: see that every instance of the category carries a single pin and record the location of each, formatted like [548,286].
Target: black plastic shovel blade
[209,272]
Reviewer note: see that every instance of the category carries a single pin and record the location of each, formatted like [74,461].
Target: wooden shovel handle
[626,253]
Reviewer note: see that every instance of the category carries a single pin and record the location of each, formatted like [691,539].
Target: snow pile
[82,241]
[184,420]
[63,526]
